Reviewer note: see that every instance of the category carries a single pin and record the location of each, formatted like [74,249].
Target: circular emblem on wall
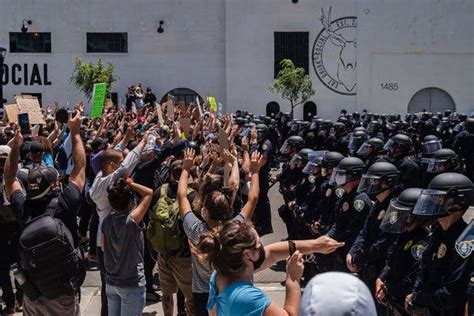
[334,53]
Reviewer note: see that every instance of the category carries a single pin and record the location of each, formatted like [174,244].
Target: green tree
[292,84]
[86,74]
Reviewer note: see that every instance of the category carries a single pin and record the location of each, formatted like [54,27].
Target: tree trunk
[292,109]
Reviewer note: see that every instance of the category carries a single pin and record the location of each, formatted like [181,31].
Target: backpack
[52,265]
[164,230]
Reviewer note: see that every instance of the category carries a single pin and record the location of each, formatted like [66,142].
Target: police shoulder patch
[359,204]
[264,147]
[417,250]
[464,248]
[340,192]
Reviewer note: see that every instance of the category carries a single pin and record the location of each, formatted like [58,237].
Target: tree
[292,84]
[86,74]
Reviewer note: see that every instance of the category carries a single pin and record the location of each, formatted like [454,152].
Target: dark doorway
[273,108]
[309,110]
[183,94]
[432,100]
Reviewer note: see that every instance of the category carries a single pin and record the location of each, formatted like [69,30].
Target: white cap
[337,293]
[4,150]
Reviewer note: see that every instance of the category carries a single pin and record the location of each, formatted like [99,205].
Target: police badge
[340,192]
[417,250]
[359,205]
[464,248]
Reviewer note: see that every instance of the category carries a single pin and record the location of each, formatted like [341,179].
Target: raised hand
[295,266]
[188,160]
[256,161]
[74,123]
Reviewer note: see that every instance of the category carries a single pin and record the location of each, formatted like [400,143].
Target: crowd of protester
[182,188]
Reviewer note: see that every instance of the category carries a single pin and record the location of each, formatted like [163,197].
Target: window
[294,46]
[30,42]
[107,43]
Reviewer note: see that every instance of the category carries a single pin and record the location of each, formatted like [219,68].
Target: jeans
[103,295]
[125,301]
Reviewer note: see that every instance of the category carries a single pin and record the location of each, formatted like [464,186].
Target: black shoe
[152,296]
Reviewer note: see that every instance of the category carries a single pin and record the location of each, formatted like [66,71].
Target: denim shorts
[125,301]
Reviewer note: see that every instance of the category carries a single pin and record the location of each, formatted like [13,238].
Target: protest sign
[170,110]
[223,139]
[11,112]
[212,104]
[159,112]
[98,99]
[29,104]
[185,123]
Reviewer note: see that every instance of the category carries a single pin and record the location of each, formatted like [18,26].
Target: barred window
[294,46]
[33,42]
[107,42]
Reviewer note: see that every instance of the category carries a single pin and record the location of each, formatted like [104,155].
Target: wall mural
[334,53]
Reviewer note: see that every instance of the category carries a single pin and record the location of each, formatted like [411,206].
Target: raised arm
[78,173]
[147,194]
[182,195]
[255,165]
[11,165]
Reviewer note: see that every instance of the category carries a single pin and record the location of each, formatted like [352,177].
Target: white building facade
[386,56]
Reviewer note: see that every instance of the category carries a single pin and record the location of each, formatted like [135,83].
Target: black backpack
[52,265]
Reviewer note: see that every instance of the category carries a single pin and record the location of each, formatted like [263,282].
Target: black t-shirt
[67,207]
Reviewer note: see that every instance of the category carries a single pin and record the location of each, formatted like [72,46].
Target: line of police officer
[360,179]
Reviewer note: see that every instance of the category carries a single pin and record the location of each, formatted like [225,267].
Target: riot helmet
[380,176]
[430,145]
[443,160]
[443,192]
[313,166]
[330,160]
[300,159]
[348,169]
[370,148]
[469,125]
[195,146]
[398,216]
[293,142]
[399,144]
[356,139]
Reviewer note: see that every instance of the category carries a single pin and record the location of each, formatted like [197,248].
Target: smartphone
[24,122]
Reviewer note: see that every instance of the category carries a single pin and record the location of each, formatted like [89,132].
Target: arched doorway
[183,94]
[432,100]
[273,108]
[309,110]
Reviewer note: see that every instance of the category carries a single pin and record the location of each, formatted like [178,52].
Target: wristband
[291,247]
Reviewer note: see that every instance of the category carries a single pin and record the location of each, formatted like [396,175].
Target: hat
[4,150]
[337,293]
[36,147]
[97,143]
[37,180]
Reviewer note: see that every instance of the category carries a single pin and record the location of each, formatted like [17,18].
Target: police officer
[371,151]
[401,154]
[429,146]
[350,209]
[464,145]
[367,254]
[397,278]
[289,177]
[262,215]
[464,244]
[444,274]
[356,139]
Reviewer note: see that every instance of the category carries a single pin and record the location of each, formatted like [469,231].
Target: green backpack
[164,231]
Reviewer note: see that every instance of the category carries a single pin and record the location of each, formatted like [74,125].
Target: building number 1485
[392,86]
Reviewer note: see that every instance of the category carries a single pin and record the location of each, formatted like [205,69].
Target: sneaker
[152,296]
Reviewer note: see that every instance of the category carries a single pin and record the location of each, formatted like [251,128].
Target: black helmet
[464,243]
[356,140]
[398,215]
[469,125]
[373,127]
[348,169]
[380,176]
[430,145]
[443,160]
[260,127]
[444,191]
[295,141]
[370,148]
[195,146]
[240,121]
[301,156]
[339,128]
[331,159]
[401,141]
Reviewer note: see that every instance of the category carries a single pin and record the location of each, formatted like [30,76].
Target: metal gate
[431,100]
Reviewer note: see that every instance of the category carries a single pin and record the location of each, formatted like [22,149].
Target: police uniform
[262,216]
[464,146]
[370,248]
[351,210]
[444,273]
[399,273]
[410,172]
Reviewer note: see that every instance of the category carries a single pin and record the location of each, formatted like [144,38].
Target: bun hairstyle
[215,198]
[224,246]
[120,195]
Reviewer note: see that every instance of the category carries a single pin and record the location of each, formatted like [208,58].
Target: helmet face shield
[390,145]
[432,203]
[314,162]
[355,143]
[370,184]
[338,176]
[437,165]
[285,148]
[397,218]
[429,148]
[365,150]
[296,162]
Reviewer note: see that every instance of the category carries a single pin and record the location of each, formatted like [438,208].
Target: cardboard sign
[29,104]
[98,99]
[11,112]
[185,123]
[223,139]
[199,107]
[159,112]
[212,104]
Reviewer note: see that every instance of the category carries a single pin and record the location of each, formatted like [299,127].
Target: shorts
[175,272]
[64,305]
